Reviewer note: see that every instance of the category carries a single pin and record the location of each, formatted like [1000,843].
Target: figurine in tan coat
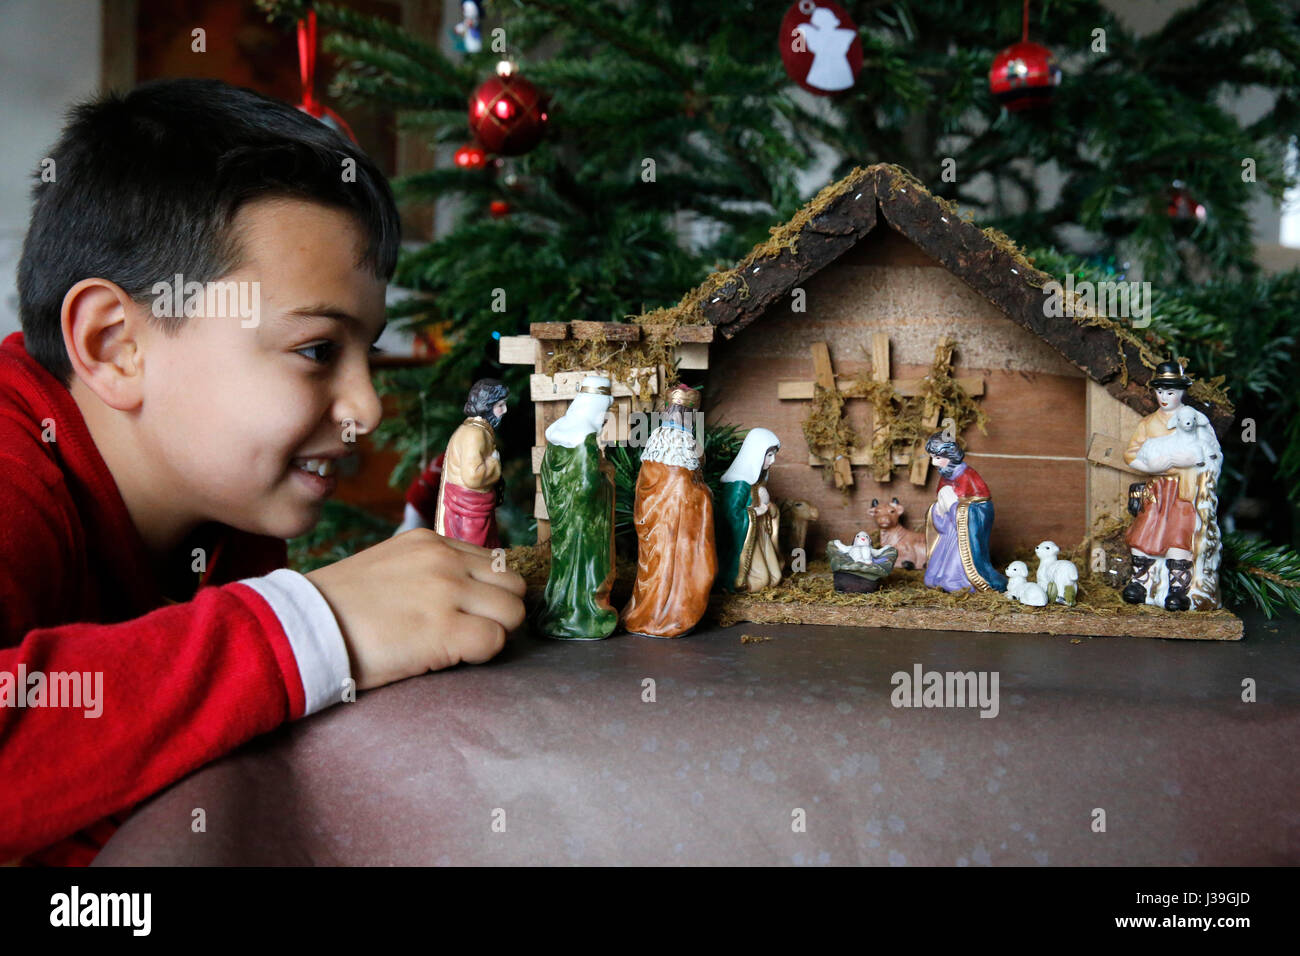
[471,469]
[1174,538]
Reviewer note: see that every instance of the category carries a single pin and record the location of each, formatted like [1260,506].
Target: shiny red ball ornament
[499,208]
[470,156]
[1024,76]
[507,114]
[1183,205]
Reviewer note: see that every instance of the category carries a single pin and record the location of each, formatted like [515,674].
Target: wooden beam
[609,331]
[563,386]
[824,373]
[930,416]
[517,350]
[906,387]
[883,471]
[549,330]
[682,333]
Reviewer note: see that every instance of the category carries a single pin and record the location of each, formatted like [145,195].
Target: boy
[200,288]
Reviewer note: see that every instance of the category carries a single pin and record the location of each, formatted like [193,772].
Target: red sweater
[182,683]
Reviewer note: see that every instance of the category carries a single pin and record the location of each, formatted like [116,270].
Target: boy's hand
[419,602]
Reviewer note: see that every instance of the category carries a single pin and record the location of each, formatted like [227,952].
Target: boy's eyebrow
[326,311]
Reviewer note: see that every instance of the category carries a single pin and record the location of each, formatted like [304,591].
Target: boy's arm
[159,696]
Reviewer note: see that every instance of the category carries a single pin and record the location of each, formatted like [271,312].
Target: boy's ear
[101,332]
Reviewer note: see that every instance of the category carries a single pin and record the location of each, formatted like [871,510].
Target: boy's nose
[360,403]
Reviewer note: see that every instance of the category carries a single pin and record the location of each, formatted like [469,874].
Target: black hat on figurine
[1170,375]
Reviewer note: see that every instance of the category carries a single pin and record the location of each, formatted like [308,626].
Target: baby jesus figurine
[958,524]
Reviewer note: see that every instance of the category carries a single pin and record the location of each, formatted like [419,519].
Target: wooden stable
[870,279]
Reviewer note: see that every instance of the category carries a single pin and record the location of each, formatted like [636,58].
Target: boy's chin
[293,526]
[286,524]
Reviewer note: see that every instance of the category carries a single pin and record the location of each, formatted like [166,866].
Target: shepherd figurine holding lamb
[1174,538]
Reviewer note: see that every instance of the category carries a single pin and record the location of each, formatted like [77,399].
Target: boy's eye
[328,348]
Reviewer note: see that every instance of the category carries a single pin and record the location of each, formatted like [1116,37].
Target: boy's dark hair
[146,187]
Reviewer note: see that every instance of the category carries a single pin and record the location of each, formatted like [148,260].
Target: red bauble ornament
[1182,205]
[1024,76]
[499,208]
[820,47]
[471,156]
[507,114]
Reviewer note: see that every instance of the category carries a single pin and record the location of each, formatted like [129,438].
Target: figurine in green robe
[747,519]
[578,488]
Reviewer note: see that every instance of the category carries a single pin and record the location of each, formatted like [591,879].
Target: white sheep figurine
[1184,435]
[1020,588]
[1058,578]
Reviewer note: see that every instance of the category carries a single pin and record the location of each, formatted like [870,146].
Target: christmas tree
[679,117]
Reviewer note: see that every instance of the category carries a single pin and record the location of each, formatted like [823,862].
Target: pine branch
[605,22]
[1255,572]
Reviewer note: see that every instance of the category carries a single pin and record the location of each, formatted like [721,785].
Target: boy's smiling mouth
[318,473]
[323,467]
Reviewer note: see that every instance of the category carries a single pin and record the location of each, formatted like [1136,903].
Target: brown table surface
[554,740]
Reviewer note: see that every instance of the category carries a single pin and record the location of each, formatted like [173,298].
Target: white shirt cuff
[313,634]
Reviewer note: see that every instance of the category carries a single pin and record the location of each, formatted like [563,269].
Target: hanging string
[1024,34]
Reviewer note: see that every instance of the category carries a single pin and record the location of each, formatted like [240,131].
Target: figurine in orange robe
[673,517]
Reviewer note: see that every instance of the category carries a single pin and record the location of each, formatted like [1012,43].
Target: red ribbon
[307,63]
[307,73]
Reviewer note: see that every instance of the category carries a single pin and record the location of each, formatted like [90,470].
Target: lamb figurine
[1058,578]
[1184,428]
[1020,588]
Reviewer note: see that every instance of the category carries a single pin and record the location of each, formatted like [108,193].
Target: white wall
[49,59]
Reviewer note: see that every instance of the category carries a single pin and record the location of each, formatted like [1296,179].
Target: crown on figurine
[1170,375]
[684,395]
[595,385]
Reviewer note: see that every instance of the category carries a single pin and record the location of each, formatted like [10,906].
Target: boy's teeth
[324,467]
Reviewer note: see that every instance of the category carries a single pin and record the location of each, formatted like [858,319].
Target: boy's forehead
[291,236]
[304,253]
